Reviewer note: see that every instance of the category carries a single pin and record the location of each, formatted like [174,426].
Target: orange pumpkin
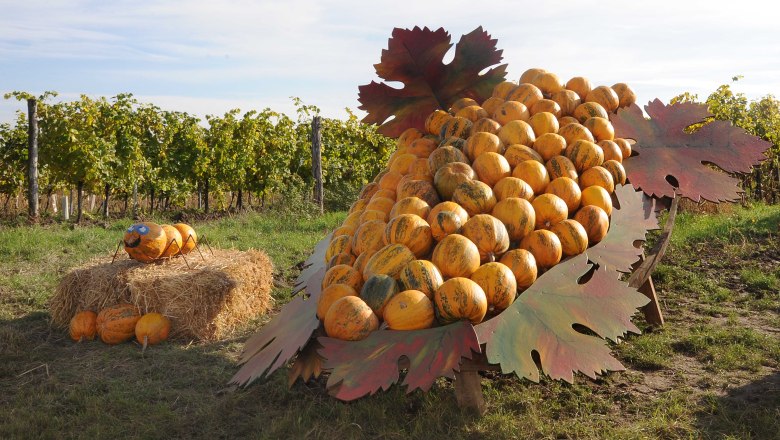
[549,210]
[525,93]
[616,169]
[543,123]
[462,103]
[491,167]
[421,275]
[573,237]
[545,247]
[389,260]
[489,234]
[588,110]
[456,127]
[409,310]
[502,89]
[491,105]
[584,154]
[418,188]
[529,75]
[410,205]
[343,274]
[384,204]
[486,125]
[342,258]
[580,85]
[499,284]
[350,319]
[456,256]
[482,142]
[598,176]
[595,221]
[460,298]
[626,95]
[151,329]
[367,190]
[446,223]
[517,154]
[420,168]
[625,147]
[400,164]
[188,236]
[516,132]
[567,101]
[512,187]
[575,132]
[546,105]
[568,190]
[388,182]
[605,96]
[597,196]
[421,148]
[549,145]
[511,111]
[561,166]
[358,205]
[475,197]
[338,244]
[436,120]
[409,135]
[448,206]
[473,113]
[444,155]
[517,215]
[83,325]
[600,128]
[117,324]
[411,231]
[450,176]
[534,174]
[145,242]
[372,214]
[611,150]
[523,266]
[369,237]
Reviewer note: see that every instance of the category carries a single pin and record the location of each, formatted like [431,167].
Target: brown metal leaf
[669,159]
[278,341]
[415,58]
[543,319]
[307,365]
[632,217]
[359,368]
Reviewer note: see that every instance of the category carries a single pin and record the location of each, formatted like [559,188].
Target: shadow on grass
[748,412]
[55,388]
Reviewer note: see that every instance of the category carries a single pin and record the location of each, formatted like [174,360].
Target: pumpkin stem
[81,338]
[146,341]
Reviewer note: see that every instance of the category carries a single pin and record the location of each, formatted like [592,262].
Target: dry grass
[206,300]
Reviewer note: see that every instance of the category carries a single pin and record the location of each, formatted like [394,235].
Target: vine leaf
[632,217]
[364,367]
[543,320]
[307,365]
[415,58]
[280,340]
[666,152]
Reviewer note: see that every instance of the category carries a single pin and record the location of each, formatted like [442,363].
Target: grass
[711,372]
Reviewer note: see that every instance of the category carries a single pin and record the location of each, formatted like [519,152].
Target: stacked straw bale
[206,301]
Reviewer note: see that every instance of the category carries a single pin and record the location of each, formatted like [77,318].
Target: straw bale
[207,301]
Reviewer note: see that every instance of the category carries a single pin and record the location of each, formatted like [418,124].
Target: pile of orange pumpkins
[118,324]
[147,242]
[470,211]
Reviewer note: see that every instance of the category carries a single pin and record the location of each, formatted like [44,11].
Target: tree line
[136,152]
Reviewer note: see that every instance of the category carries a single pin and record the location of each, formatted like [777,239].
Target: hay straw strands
[206,301]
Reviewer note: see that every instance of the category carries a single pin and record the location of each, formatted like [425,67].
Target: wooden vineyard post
[316,161]
[32,151]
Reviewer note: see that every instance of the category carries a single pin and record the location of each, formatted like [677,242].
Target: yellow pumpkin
[456,256]
[499,284]
[409,310]
[188,236]
[350,319]
[460,298]
[523,266]
[489,234]
[151,329]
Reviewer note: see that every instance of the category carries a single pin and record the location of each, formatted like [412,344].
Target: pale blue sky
[206,56]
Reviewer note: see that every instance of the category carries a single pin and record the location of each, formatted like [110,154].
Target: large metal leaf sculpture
[670,157]
[543,320]
[364,367]
[414,57]
[282,338]
[630,222]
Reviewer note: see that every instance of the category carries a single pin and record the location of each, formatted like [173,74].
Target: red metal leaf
[364,367]
[542,320]
[665,151]
[632,217]
[280,340]
[414,57]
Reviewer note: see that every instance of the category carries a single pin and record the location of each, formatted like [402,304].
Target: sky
[207,57]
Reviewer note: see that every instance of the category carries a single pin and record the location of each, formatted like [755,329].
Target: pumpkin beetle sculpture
[495,151]
[149,242]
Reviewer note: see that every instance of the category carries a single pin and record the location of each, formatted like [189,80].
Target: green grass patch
[730,348]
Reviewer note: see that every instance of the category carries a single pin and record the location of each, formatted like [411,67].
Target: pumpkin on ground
[151,329]
[117,324]
[83,326]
